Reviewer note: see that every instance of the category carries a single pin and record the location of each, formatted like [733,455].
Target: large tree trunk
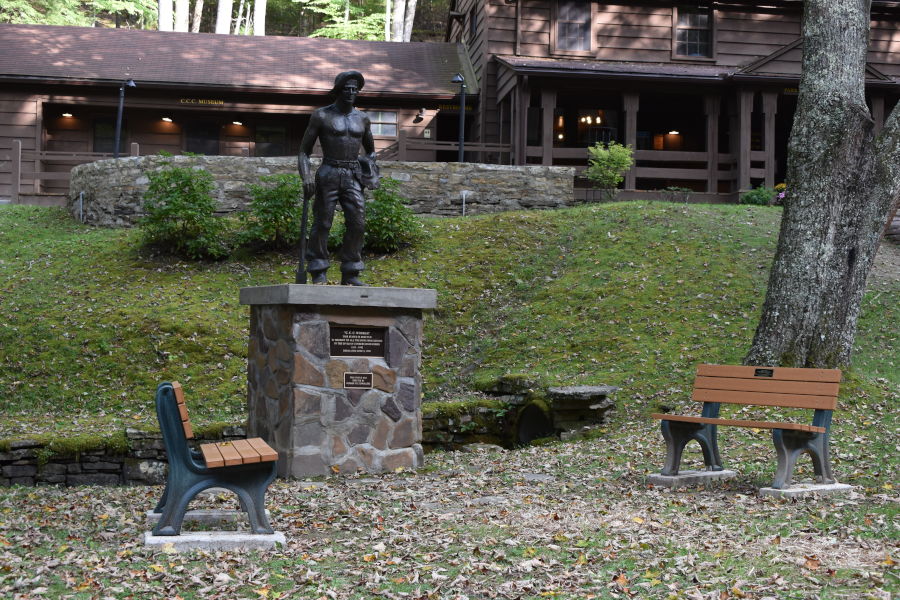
[165,15]
[197,16]
[259,17]
[398,20]
[841,181]
[182,15]
[223,16]
[409,17]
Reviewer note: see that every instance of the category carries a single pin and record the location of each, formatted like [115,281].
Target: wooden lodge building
[201,93]
[703,91]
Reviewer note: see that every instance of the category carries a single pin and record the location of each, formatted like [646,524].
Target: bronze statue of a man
[341,130]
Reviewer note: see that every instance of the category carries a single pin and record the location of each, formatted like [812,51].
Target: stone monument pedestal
[333,376]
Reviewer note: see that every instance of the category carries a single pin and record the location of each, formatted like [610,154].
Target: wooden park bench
[246,467]
[714,385]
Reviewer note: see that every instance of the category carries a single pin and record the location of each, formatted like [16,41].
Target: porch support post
[548,106]
[523,98]
[770,107]
[16,175]
[745,108]
[878,112]
[630,102]
[712,143]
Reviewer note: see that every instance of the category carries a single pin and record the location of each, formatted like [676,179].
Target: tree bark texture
[259,17]
[196,16]
[165,14]
[182,15]
[841,182]
[223,16]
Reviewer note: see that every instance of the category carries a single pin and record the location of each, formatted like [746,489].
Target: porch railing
[407,145]
[31,166]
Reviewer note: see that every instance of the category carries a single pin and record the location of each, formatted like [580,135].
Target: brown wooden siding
[18,121]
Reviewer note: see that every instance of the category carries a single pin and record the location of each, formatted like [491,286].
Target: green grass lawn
[629,294]
[626,294]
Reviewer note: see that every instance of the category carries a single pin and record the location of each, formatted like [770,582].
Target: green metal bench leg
[678,434]
[789,445]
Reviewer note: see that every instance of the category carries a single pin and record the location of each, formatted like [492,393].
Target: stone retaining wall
[109,192]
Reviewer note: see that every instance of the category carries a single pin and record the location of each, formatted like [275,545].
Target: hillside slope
[628,294]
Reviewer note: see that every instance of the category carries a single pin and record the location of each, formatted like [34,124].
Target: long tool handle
[304,221]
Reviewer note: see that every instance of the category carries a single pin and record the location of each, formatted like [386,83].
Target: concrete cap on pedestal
[340,295]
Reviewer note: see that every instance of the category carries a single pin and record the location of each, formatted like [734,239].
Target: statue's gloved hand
[309,189]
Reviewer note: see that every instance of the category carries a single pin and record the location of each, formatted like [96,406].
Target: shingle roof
[291,64]
[587,68]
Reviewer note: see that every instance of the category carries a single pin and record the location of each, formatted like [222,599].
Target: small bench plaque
[357,341]
[358,381]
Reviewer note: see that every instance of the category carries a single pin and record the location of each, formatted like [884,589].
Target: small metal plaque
[357,341]
[764,373]
[358,381]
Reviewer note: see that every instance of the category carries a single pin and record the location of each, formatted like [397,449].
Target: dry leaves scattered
[571,520]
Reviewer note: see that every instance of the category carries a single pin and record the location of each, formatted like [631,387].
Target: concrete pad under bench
[214,540]
[204,516]
[690,477]
[806,489]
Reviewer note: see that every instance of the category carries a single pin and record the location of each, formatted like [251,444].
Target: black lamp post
[125,84]
[462,113]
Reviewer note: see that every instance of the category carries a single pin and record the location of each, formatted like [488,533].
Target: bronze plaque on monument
[357,341]
[358,381]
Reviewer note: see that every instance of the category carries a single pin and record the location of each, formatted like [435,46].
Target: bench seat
[740,423]
[238,452]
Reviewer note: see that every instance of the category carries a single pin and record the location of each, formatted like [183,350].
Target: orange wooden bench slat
[211,456]
[266,452]
[778,373]
[182,410]
[739,423]
[247,452]
[766,399]
[231,456]
[808,388]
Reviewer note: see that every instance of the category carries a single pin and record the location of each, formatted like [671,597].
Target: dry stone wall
[109,193]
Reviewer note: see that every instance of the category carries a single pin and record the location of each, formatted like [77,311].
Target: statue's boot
[351,278]
[319,277]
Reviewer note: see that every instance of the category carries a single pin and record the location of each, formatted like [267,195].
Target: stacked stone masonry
[109,193]
[28,462]
[297,400]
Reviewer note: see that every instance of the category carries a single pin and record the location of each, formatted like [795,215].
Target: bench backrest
[768,386]
[182,410]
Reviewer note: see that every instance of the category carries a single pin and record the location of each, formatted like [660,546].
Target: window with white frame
[384,122]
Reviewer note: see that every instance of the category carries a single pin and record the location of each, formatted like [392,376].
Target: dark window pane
[104,135]
[271,140]
[573,26]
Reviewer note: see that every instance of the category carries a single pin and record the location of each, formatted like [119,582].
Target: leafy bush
[607,164]
[275,211]
[180,215]
[761,196]
[390,224]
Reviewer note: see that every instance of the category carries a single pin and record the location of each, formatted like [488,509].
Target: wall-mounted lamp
[236,123]
[167,119]
[560,137]
[420,116]
[674,132]
[125,84]
[67,114]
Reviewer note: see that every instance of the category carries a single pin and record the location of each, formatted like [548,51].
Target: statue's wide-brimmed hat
[341,80]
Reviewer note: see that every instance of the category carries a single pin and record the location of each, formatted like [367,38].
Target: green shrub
[274,212]
[761,196]
[180,217]
[607,164]
[390,224]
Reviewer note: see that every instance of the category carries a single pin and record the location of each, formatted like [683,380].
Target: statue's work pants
[333,185]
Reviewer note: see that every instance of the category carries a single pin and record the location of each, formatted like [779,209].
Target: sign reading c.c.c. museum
[204,101]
